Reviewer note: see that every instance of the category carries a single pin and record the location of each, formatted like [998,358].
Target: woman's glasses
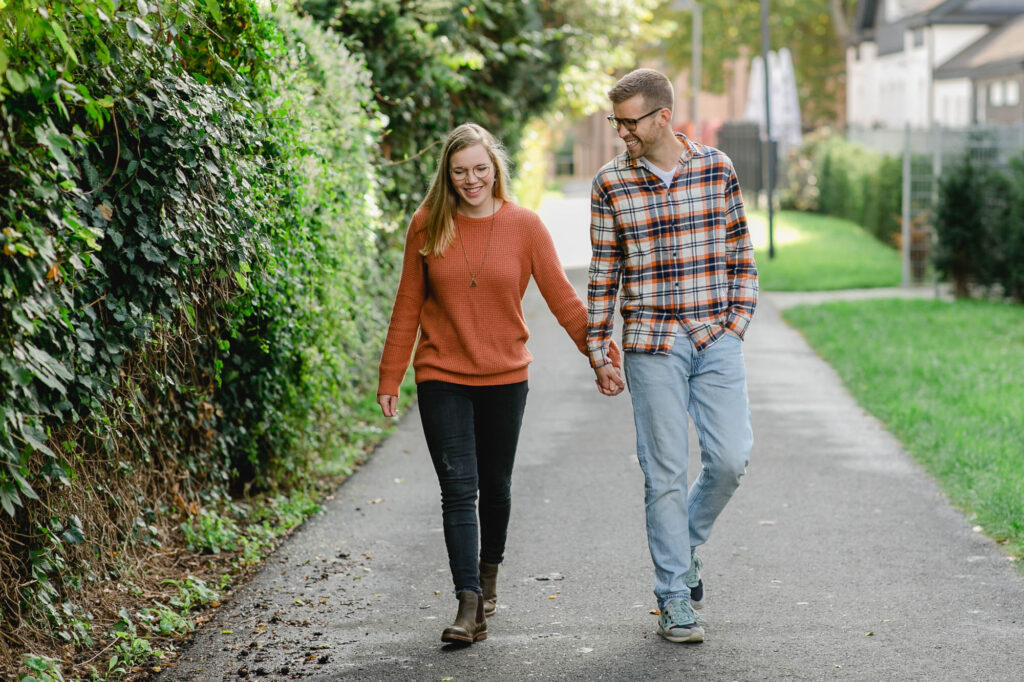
[479,172]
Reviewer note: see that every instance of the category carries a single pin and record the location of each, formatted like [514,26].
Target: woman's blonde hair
[442,199]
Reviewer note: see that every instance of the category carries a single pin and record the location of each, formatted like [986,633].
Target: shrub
[883,200]
[832,176]
[1009,267]
[972,209]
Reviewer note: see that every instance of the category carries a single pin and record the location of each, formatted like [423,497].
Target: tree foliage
[813,30]
[437,63]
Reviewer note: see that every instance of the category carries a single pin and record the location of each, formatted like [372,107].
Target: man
[667,222]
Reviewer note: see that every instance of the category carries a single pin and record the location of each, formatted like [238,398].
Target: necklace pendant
[473,282]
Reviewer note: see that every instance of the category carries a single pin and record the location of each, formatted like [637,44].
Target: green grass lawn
[818,253]
[948,380]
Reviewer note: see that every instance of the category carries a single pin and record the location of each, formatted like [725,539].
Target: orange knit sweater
[476,335]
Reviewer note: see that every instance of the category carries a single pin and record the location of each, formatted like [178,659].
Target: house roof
[870,23]
[965,12]
[1000,52]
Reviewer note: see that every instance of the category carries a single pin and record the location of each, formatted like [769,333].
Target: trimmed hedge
[832,176]
[979,225]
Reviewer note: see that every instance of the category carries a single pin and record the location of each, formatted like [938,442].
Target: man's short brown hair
[654,86]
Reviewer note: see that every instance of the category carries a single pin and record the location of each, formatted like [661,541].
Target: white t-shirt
[665,175]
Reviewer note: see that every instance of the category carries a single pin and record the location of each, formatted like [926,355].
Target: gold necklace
[462,243]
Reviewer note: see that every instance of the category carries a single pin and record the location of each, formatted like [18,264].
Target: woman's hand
[388,405]
[615,355]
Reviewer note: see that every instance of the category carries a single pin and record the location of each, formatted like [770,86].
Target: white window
[996,94]
[1012,94]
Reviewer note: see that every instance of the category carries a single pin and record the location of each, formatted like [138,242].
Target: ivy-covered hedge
[199,203]
[191,284]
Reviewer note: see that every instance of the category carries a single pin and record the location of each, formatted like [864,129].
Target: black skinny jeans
[472,432]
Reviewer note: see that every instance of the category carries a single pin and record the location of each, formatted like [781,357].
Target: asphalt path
[837,559]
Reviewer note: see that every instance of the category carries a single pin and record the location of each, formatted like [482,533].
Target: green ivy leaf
[23,484]
[35,437]
[62,38]
[9,497]
[73,533]
[16,80]
[213,7]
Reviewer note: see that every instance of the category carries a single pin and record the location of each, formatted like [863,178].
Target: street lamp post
[691,6]
[768,169]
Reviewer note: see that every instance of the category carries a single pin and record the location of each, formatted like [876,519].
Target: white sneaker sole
[694,634]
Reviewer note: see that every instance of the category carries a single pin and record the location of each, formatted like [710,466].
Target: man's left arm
[742,271]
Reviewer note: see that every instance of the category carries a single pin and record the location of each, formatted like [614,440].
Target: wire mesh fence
[925,153]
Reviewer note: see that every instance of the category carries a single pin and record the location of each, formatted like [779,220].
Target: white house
[995,67]
[896,53]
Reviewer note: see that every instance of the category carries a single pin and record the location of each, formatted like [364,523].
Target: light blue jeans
[711,387]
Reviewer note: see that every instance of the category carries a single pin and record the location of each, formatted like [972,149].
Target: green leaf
[73,533]
[48,362]
[63,40]
[25,487]
[35,437]
[9,497]
[16,80]
[213,7]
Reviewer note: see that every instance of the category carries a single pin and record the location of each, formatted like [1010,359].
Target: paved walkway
[838,559]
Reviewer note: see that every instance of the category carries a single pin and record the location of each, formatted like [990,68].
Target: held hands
[609,380]
[388,405]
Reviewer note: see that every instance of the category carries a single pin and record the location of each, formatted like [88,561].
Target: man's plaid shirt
[682,253]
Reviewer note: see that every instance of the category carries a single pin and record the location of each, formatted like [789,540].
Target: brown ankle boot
[470,625]
[489,585]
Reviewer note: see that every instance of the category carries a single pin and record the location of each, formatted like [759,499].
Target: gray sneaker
[679,623]
[693,581]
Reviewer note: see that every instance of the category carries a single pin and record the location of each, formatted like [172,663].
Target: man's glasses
[630,123]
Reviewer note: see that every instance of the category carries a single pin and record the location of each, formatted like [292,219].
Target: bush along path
[189,300]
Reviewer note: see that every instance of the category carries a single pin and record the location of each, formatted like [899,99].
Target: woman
[469,256]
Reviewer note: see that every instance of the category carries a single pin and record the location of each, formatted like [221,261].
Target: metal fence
[741,141]
[925,153]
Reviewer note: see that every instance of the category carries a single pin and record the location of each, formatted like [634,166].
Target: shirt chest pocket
[647,229]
